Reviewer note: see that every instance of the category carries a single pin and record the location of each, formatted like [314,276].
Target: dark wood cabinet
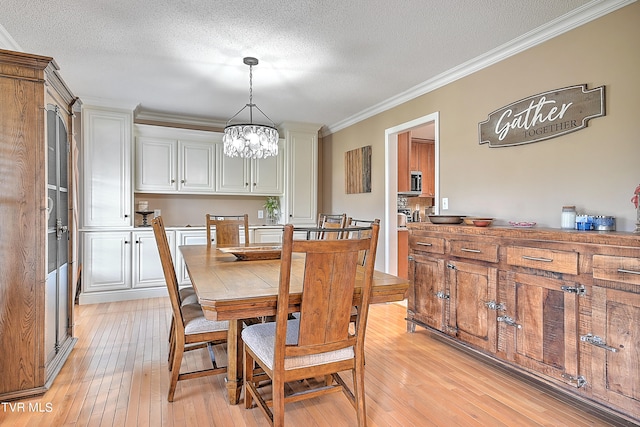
[560,305]
[427,296]
[611,341]
[36,223]
[472,292]
[541,325]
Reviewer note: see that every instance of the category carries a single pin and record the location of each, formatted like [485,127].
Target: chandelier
[250,140]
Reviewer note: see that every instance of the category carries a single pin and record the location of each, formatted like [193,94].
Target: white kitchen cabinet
[171,160]
[268,235]
[121,265]
[301,196]
[156,164]
[106,261]
[237,175]
[106,167]
[188,237]
[147,268]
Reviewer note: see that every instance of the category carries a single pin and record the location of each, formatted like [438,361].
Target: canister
[604,223]
[568,220]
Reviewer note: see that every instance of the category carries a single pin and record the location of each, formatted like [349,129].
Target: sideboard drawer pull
[424,244]
[622,270]
[533,258]
[475,251]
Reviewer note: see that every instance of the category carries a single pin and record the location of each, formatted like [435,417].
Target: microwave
[416,182]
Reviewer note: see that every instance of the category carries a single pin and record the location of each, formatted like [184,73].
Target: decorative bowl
[522,224]
[445,219]
[469,220]
[252,253]
[482,222]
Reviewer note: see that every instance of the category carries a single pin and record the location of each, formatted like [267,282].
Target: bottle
[568,217]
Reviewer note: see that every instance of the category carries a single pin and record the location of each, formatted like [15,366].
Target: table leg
[235,361]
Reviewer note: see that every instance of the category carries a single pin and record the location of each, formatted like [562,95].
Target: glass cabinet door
[57,285]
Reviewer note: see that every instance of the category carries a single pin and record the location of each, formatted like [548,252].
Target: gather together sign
[542,116]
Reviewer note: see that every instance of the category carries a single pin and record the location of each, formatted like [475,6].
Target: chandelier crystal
[250,140]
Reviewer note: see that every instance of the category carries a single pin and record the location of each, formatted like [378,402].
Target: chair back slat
[228,229]
[331,221]
[329,285]
[351,222]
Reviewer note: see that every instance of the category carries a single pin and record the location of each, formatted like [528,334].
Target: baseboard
[121,295]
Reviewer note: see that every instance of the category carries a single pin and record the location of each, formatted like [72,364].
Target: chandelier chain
[251,93]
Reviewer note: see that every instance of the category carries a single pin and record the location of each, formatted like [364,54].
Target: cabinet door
[427,297]
[616,321]
[107,168]
[156,164]
[232,173]
[404,167]
[147,268]
[541,332]
[190,237]
[107,261]
[472,288]
[302,181]
[196,161]
[57,324]
[267,175]
[428,165]
[268,235]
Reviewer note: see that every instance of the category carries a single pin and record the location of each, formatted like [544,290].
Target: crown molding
[8,42]
[580,16]
[145,116]
[89,101]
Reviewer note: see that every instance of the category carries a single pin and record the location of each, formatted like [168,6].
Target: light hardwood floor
[117,376]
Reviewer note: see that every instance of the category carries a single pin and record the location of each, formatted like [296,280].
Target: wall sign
[543,116]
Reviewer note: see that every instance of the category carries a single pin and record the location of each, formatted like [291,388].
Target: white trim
[391,183]
[89,101]
[122,295]
[8,42]
[154,116]
[582,15]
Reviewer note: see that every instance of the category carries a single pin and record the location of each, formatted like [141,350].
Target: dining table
[237,290]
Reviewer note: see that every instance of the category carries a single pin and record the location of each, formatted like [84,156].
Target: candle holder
[144,217]
[637,230]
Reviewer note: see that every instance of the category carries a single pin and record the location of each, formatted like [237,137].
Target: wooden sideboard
[561,305]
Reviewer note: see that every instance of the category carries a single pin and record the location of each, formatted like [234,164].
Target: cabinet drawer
[617,268]
[543,259]
[474,250]
[434,245]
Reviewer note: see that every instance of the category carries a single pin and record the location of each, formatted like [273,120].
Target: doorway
[391,182]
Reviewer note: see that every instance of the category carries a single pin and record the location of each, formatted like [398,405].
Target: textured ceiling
[321,61]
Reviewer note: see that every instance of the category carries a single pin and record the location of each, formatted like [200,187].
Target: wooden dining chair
[191,330]
[319,342]
[352,222]
[331,221]
[228,229]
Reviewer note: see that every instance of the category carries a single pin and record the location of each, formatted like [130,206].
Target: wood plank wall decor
[357,172]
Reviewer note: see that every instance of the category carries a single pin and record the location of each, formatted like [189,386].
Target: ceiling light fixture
[249,139]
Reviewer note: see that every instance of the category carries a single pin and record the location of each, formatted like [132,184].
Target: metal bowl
[445,219]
